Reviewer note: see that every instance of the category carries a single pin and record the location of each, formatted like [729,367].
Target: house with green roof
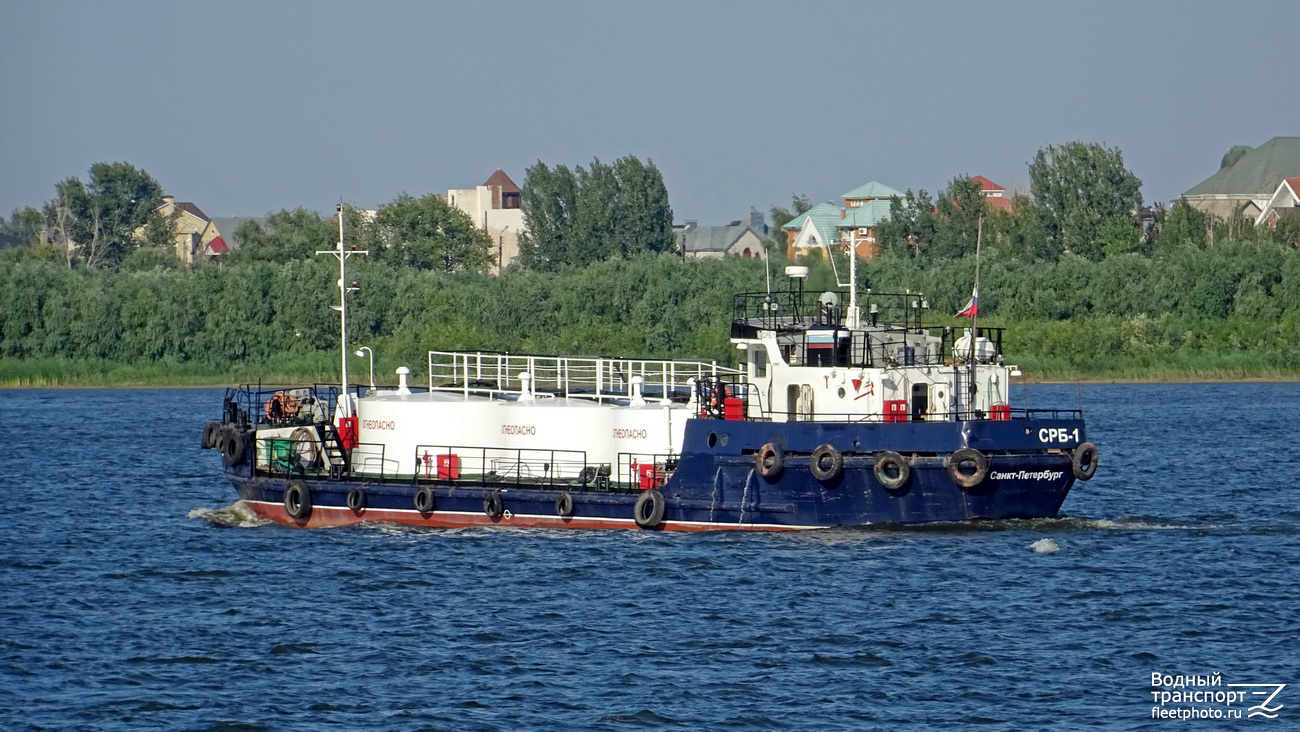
[1247,179]
[852,225]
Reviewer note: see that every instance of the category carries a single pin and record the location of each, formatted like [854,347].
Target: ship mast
[852,319]
[975,316]
[342,307]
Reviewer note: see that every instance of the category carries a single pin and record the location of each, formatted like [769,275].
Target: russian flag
[973,307]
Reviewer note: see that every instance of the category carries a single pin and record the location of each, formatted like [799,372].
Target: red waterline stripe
[323,516]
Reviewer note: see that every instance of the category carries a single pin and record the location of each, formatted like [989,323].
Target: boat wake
[1063,524]
[235,516]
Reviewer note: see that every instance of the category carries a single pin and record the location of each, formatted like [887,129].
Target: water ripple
[161,603]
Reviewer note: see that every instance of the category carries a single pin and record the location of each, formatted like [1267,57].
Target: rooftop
[1254,173]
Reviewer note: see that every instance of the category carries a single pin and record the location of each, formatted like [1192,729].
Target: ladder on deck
[337,457]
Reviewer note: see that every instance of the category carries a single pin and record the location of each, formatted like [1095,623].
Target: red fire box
[895,410]
[733,409]
[650,476]
[1000,412]
[449,467]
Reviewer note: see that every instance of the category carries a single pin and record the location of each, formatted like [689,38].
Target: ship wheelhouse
[811,358]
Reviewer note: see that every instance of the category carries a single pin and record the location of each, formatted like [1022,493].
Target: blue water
[133,595]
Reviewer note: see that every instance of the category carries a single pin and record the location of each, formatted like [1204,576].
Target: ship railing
[886,346]
[368,460]
[731,398]
[791,310]
[522,467]
[487,373]
[256,405]
[996,413]
[289,456]
[642,471]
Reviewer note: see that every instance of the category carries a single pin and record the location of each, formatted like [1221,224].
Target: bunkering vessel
[840,415]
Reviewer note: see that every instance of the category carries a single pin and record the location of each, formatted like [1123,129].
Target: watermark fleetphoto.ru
[1187,696]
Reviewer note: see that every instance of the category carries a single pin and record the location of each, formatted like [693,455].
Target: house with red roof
[194,235]
[1285,203]
[494,208]
[995,196]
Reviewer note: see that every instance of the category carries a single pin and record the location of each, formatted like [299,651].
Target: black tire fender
[649,509]
[357,500]
[826,463]
[494,505]
[424,500]
[903,469]
[297,501]
[961,457]
[769,461]
[564,505]
[1083,461]
[232,447]
[211,431]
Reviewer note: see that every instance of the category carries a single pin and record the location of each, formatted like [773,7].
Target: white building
[494,207]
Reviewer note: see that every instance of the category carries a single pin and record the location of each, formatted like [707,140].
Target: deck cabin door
[799,403]
[920,402]
[805,403]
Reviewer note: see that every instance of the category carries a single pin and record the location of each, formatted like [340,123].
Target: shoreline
[1020,381]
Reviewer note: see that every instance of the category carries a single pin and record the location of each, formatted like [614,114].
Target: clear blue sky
[249,107]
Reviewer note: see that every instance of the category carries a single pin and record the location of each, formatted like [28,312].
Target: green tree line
[1236,302]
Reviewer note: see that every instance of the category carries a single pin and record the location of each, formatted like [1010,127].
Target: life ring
[1083,460]
[649,509]
[424,500]
[493,505]
[210,432]
[231,443]
[297,500]
[965,455]
[564,505]
[280,406]
[890,461]
[826,463]
[770,460]
[357,500]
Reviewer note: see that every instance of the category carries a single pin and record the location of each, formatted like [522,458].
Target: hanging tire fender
[297,500]
[826,463]
[211,431]
[965,456]
[357,500]
[649,509]
[424,501]
[564,505]
[769,461]
[888,462]
[232,447]
[1083,461]
[494,505]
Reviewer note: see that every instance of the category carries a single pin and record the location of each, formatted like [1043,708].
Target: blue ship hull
[719,484]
